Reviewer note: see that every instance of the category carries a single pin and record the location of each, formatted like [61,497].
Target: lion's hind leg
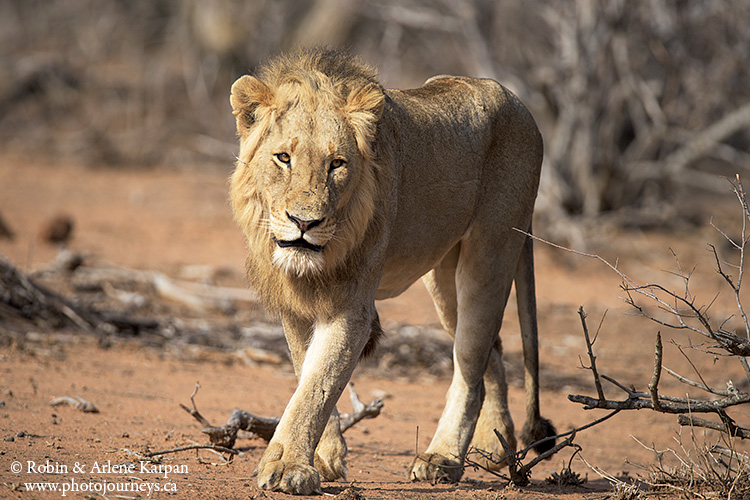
[441,283]
[494,415]
[479,299]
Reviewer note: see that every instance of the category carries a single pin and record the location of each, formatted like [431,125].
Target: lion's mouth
[298,243]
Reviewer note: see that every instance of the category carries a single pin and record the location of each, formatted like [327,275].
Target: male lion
[347,193]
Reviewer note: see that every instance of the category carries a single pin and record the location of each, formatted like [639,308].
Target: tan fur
[348,192]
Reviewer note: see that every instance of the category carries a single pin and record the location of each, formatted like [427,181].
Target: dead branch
[194,411]
[361,411]
[519,473]
[731,429]
[22,298]
[683,314]
[708,139]
[653,386]
[525,470]
[642,400]
[198,296]
[264,427]
[700,385]
[240,420]
[592,358]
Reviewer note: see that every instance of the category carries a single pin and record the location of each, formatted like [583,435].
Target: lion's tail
[535,428]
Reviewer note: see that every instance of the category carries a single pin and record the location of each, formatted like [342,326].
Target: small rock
[5,231]
[58,230]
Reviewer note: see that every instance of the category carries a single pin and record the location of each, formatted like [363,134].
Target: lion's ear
[247,94]
[368,99]
[364,107]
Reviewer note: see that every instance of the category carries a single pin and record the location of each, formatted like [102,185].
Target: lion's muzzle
[300,243]
[302,227]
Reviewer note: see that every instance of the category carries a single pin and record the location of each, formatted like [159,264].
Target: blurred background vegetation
[642,103]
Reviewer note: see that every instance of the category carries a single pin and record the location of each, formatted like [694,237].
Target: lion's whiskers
[265,223]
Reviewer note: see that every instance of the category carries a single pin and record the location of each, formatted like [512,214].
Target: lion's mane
[346,84]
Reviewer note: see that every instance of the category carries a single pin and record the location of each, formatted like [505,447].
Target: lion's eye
[283,158]
[337,163]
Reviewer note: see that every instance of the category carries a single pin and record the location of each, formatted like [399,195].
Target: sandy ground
[178,220]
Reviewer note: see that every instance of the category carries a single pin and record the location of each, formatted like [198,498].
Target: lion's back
[461,147]
[466,115]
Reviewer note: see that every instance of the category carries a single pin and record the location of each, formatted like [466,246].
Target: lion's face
[305,176]
[309,176]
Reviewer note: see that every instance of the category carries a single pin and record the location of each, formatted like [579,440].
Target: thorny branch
[685,314]
[636,400]
[519,473]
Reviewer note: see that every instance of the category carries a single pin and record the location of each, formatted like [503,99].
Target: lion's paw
[493,455]
[329,459]
[288,477]
[435,468]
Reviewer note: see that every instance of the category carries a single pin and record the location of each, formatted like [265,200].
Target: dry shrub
[702,471]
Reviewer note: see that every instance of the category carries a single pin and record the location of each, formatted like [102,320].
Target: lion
[347,193]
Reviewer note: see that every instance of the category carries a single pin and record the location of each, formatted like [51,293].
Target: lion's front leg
[290,464]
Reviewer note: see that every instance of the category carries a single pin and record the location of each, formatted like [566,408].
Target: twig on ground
[178,449]
[731,430]
[623,490]
[77,402]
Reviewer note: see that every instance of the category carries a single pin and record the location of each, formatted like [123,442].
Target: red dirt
[169,219]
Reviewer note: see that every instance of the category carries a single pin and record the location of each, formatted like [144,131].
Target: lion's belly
[414,253]
[390,288]
[402,270]
[394,283]
[429,225]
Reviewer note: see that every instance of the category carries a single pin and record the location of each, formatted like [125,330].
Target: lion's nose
[304,225]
